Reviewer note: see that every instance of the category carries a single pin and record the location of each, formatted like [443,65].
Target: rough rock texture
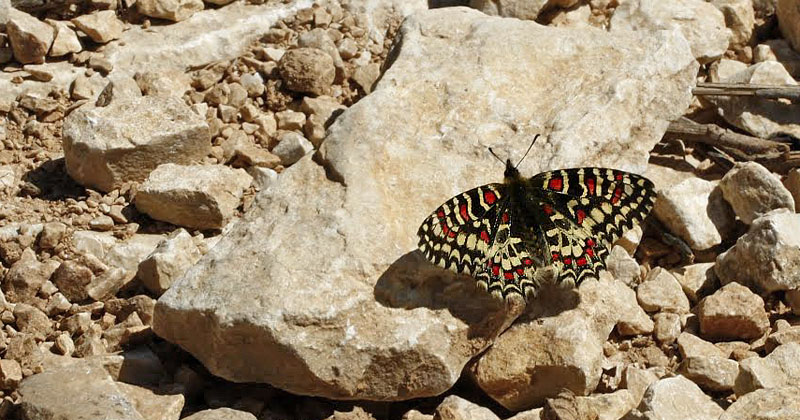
[767,257]
[692,346]
[175,11]
[456,408]
[675,399]
[710,373]
[660,291]
[792,183]
[196,196]
[65,41]
[697,280]
[779,368]
[520,9]
[66,393]
[788,12]
[739,18]
[152,405]
[221,414]
[766,404]
[101,26]
[307,70]
[761,118]
[753,191]
[695,210]
[29,37]
[733,312]
[430,104]
[170,260]
[105,147]
[534,360]
[699,21]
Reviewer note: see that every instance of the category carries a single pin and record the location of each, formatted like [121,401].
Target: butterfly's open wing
[471,233]
[587,210]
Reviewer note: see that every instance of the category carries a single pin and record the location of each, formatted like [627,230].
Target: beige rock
[221,414]
[636,381]
[739,18]
[778,369]
[151,405]
[611,406]
[320,39]
[25,277]
[667,327]
[710,373]
[290,120]
[107,284]
[323,107]
[366,76]
[535,360]
[788,14]
[163,83]
[168,262]
[64,345]
[456,408]
[767,256]
[697,280]
[66,392]
[676,398]
[660,291]
[677,207]
[23,348]
[760,118]
[29,37]
[292,147]
[218,2]
[66,40]
[84,87]
[202,197]
[51,235]
[10,374]
[427,348]
[240,152]
[253,84]
[724,69]
[792,183]
[519,9]
[101,26]
[753,191]
[700,22]
[170,10]
[32,320]
[105,147]
[766,404]
[692,346]
[733,312]
[623,267]
[783,335]
[308,70]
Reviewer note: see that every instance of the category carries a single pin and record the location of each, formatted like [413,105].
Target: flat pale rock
[77,391]
[168,261]
[777,369]
[691,345]
[700,22]
[152,405]
[362,291]
[676,398]
[753,191]
[766,404]
[221,414]
[195,196]
[66,40]
[534,360]
[105,147]
[733,312]
[456,408]
[29,37]
[102,26]
[767,257]
[697,280]
[760,118]
[695,211]
[520,9]
[710,373]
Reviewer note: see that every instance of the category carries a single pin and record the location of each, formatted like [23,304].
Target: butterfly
[564,220]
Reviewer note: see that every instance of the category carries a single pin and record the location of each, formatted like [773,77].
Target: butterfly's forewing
[588,210]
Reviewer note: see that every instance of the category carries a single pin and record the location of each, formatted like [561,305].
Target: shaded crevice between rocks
[330,172]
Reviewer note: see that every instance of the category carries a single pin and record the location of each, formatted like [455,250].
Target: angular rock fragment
[659,401]
[101,26]
[753,191]
[200,196]
[66,40]
[175,11]
[710,373]
[29,37]
[777,369]
[105,147]
[169,261]
[456,408]
[766,404]
[660,291]
[733,312]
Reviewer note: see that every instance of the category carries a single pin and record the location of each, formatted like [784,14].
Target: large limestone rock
[701,23]
[779,368]
[675,399]
[537,358]
[766,404]
[29,37]
[767,257]
[362,315]
[105,147]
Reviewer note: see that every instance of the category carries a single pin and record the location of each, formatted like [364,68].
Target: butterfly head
[511,172]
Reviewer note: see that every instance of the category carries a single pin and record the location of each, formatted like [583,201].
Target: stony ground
[207,210]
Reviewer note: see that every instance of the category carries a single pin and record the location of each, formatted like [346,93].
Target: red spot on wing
[590,252]
[590,242]
[440,213]
[495,270]
[581,215]
[527,261]
[452,234]
[581,261]
[591,185]
[484,236]
[555,184]
[463,212]
[618,177]
[505,217]
[556,257]
[548,209]
[445,229]
[617,195]
[568,261]
[520,271]
[508,275]
[489,197]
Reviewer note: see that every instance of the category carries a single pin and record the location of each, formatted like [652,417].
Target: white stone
[739,18]
[169,261]
[454,407]
[174,10]
[660,291]
[677,399]
[196,196]
[752,190]
[101,26]
[66,40]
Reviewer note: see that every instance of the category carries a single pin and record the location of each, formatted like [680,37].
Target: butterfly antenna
[495,155]
[526,152]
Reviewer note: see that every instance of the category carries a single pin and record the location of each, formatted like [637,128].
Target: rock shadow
[413,282]
[50,181]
